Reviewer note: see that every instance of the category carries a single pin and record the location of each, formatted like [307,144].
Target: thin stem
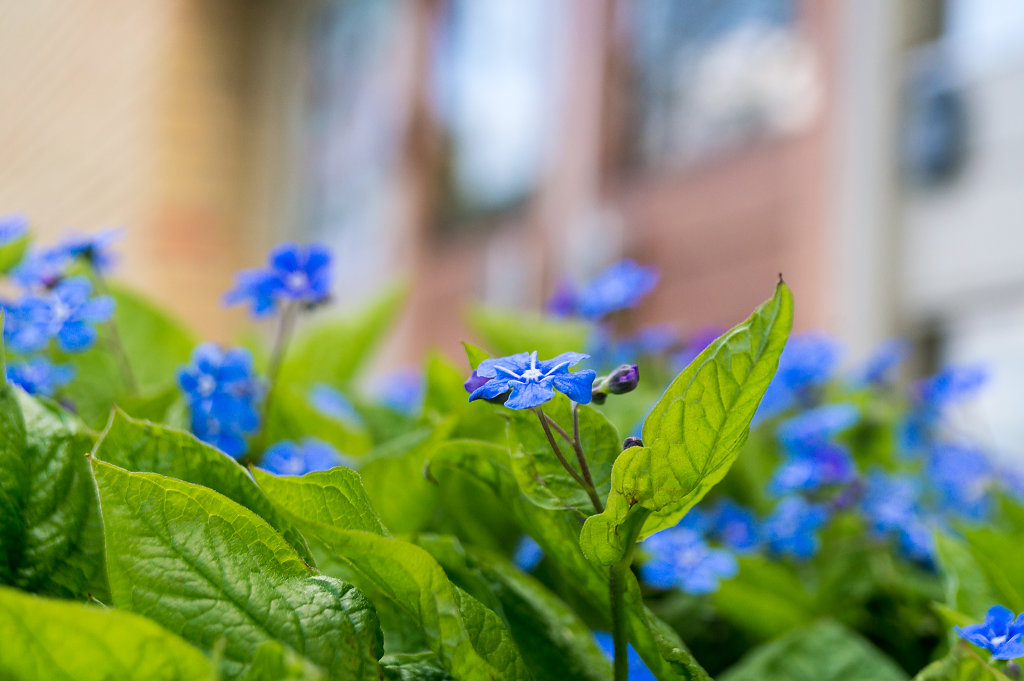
[580,456]
[115,335]
[284,333]
[619,643]
[554,447]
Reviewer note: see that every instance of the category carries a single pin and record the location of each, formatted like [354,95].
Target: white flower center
[296,281]
[206,385]
[998,640]
[532,374]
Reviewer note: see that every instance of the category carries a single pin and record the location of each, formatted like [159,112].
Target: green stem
[618,575]
[115,335]
[544,421]
[586,481]
[284,333]
[581,457]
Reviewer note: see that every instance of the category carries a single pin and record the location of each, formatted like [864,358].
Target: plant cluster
[174,509]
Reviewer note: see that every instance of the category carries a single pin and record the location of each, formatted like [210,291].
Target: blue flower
[817,425]
[222,394]
[619,287]
[950,385]
[890,504]
[293,273]
[637,670]
[879,367]
[534,382]
[12,228]
[736,526]
[401,391]
[528,554]
[814,461]
[961,477]
[66,313]
[39,376]
[680,558]
[1000,633]
[42,267]
[808,360]
[791,528]
[95,249]
[290,458]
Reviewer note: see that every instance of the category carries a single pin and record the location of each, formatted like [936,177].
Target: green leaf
[693,434]
[209,569]
[825,651]
[413,667]
[332,350]
[145,447]
[557,534]
[961,664]
[542,478]
[470,641]
[510,331]
[12,253]
[52,640]
[474,354]
[293,417]
[767,598]
[50,533]
[556,644]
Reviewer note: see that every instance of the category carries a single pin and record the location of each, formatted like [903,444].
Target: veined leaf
[540,475]
[693,434]
[209,570]
[469,640]
[556,644]
[144,447]
[557,533]
[825,651]
[54,640]
[51,541]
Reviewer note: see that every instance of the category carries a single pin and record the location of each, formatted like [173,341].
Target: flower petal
[577,386]
[527,395]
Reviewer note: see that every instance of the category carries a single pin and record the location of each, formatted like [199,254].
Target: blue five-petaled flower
[67,313]
[1000,633]
[39,376]
[309,455]
[294,273]
[533,382]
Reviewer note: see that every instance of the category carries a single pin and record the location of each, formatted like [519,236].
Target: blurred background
[871,151]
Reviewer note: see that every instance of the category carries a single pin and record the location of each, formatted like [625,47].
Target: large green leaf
[469,640]
[557,534]
[218,575]
[825,651]
[52,640]
[556,644]
[507,332]
[767,598]
[540,475]
[145,447]
[50,533]
[693,434]
[331,350]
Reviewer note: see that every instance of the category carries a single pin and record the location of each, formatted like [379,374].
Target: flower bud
[632,442]
[623,380]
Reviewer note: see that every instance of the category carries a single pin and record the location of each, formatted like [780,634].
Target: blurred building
[484,149]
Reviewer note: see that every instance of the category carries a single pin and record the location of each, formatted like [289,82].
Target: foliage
[177,510]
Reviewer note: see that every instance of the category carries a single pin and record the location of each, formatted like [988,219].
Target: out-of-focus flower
[222,395]
[12,228]
[679,558]
[291,458]
[67,313]
[695,344]
[792,528]
[528,554]
[883,361]
[814,460]
[294,272]
[1000,633]
[637,670]
[533,382]
[331,402]
[932,397]
[42,267]
[808,360]
[817,425]
[961,478]
[401,391]
[890,504]
[39,376]
[736,526]
[94,249]
[618,287]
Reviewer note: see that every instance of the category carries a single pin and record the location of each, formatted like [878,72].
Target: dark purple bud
[1013,669]
[632,442]
[474,381]
[597,396]
[623,380]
